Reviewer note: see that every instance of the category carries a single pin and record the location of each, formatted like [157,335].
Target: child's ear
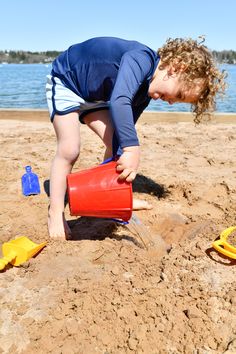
[172,70]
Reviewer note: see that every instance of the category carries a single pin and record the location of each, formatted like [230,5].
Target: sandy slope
[102,292]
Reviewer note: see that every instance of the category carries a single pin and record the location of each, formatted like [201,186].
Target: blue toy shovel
[30,182]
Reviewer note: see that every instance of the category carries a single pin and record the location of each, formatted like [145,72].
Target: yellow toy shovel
[19,251]
[223,246]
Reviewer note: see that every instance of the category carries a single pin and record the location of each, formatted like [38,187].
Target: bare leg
[68,145]
[100,123]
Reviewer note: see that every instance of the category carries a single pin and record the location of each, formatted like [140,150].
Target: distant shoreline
[49,62]
[28,57]
[148,116]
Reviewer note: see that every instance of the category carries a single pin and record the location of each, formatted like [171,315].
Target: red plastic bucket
[98,192]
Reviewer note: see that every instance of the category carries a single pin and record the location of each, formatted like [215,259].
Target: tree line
[27,57]
[225,56]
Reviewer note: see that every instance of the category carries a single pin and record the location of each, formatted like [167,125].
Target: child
[107,83]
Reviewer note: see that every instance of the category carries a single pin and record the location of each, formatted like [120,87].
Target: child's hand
[128,163]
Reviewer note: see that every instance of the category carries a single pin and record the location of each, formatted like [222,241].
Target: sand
[103,292]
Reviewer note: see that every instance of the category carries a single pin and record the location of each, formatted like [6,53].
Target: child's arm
[136,66]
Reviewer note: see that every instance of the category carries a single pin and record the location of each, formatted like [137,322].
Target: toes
[141,205]
[57,235]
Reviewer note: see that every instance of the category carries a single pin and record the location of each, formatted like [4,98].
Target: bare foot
[57,225]
[139,204]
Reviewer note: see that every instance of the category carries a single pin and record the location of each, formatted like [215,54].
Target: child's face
[169,86]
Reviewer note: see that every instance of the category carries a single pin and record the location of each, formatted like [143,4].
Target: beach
[102,291]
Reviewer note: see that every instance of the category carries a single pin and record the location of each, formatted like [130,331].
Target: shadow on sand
[97,229]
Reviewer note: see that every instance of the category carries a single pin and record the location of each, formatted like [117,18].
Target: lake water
[23,86]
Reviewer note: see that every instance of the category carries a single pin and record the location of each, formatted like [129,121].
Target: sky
[40,25]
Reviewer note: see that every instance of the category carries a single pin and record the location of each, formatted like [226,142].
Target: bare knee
[68,151]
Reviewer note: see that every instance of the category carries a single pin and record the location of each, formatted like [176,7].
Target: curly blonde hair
[199,64]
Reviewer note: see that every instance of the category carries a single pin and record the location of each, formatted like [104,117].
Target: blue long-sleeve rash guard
[114,70]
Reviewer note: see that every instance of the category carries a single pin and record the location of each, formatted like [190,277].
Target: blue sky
[56,24]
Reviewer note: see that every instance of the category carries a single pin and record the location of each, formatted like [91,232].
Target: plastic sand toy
[223,246]
[30,182]
[19,251]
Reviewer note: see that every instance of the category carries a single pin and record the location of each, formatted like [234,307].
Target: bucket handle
[107,160]
[113,158]
[120,221]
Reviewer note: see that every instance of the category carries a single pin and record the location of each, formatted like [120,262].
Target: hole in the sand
[172,227]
